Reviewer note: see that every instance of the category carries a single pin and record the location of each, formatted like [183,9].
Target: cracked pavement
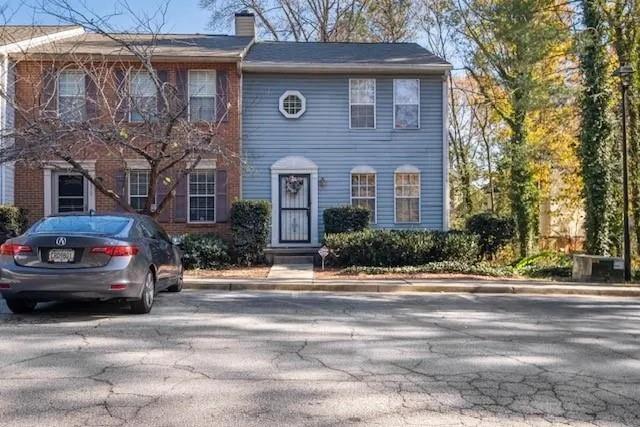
[232,358]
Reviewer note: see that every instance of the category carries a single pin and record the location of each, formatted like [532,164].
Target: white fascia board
[24,45]
[277,67]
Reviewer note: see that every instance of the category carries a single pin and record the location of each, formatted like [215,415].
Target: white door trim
[62,166]
[293,165]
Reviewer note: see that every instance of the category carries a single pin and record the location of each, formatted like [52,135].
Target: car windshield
[107,225]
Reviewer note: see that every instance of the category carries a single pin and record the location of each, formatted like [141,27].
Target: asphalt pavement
[282,358]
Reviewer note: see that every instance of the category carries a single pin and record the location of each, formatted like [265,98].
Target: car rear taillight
[5,286]
[118,287]
[116,250]
[13,249]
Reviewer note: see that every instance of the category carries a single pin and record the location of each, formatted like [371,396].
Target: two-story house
[315,125]
[329,124]
[205,71]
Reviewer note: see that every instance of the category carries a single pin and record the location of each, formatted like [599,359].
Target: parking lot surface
[233,358]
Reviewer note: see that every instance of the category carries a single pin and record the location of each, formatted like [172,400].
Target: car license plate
[61,255]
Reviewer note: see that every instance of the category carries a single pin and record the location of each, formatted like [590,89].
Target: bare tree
[305,20]
[126,106]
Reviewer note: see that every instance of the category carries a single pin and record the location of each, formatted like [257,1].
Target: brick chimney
[245,24]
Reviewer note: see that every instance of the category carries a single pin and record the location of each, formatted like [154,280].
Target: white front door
[295,208]
[69,193]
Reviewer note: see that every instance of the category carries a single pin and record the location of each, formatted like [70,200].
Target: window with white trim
[406,103]
[362,103]
[292,104]
[202,95]
[202,195]
[363,192]
[144,98]
[138,188]
[71,96]
[407,197]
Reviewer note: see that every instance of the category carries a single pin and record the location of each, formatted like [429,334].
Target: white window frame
[132,97]
[407,169]
[365,170]
[58,93]
[375,104]
[207,166]
[284,96]
[215,93]
[137,169]
[395,104]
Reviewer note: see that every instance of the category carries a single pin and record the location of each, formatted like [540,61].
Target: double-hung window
[363,192]
[144,97]
[406,103]
[138,188]
[362,103]
[202,195]
[71,96]
[407,196]
[202,96]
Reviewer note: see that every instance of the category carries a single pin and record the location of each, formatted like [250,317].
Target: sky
[183,16]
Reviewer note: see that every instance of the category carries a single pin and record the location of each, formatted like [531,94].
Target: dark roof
[396,54]
[17,33]
[170,45]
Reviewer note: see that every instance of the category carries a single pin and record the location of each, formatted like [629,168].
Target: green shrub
[441,267]
[545,264]
[204,251]
[250,222]
[13,219]
[493,231]
[344,219]
[390,248]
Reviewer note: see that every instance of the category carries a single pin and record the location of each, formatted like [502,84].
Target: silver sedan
[87,256]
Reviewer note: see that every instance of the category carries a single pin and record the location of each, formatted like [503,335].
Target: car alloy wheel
[144,304]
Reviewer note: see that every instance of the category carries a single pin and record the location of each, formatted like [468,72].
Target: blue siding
[322,135]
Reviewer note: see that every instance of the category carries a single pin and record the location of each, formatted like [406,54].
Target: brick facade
[29,181]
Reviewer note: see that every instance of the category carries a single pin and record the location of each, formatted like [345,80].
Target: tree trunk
[523,190]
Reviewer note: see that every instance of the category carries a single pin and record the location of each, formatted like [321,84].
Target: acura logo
[61,241]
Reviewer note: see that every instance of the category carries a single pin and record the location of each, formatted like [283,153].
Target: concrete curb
[439,286]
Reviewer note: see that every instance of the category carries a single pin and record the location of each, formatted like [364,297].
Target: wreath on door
[293,184]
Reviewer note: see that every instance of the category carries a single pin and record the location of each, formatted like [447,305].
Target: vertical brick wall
[29,180]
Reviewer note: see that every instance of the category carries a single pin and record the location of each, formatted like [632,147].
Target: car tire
[21,306]
[144,304]
[177,287]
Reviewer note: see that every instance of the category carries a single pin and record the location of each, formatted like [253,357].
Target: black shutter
[91,97]
[222,205]
[163,76]
[222,96]
[162,190]
[48,94]
[121,188]
[182,81]
[180,201]
[122,107]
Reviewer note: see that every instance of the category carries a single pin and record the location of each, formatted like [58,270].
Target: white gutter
[278,67]
[23,45]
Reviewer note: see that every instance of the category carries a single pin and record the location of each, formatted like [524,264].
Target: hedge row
[456,267]
[391,248]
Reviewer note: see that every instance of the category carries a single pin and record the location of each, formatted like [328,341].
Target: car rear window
[107,225]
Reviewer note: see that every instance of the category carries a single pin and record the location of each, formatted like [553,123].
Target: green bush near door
[250,226]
